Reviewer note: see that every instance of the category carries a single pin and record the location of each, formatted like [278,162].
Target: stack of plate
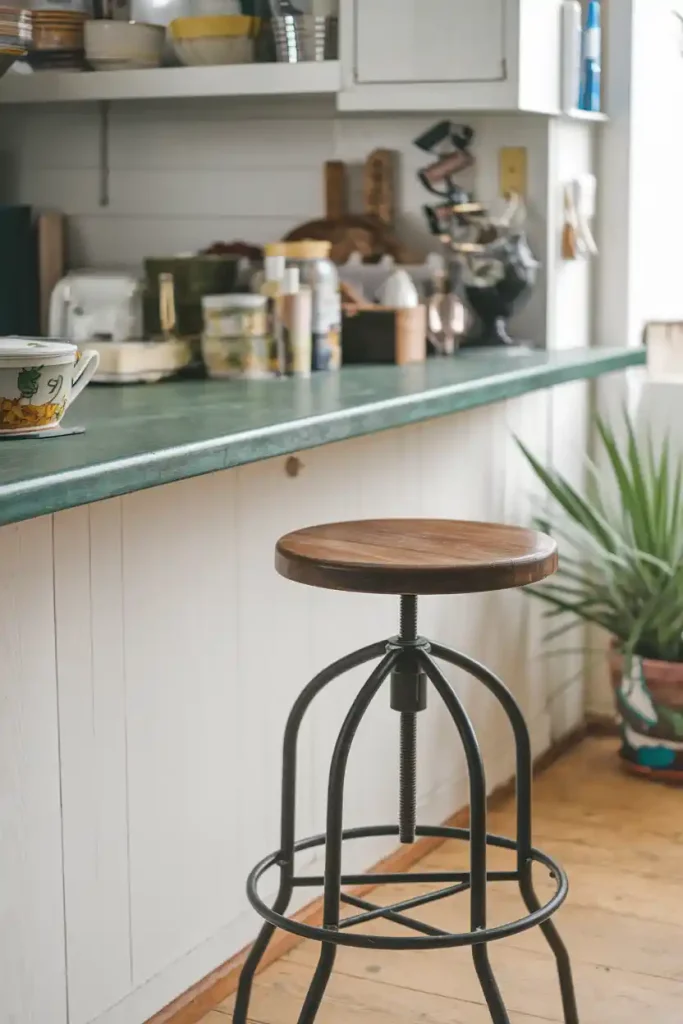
[57,40]
[15,35]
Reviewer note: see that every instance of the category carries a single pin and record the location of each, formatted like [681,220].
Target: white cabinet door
[429,40]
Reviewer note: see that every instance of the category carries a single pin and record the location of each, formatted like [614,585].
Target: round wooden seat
[415,556]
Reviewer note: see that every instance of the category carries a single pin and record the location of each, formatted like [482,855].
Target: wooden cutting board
[50,227]
[336,190]
[367,233]
[379,188]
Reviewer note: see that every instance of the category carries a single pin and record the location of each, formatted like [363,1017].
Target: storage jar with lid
[234,316]
[236,341]
[320,274]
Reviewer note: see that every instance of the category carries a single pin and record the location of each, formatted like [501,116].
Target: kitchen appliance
[96,306]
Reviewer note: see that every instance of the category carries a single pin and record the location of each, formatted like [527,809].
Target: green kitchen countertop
[140,436]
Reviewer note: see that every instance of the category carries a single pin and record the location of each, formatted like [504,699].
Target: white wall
[641,209]
[152,656]
[657,156]
[641,151]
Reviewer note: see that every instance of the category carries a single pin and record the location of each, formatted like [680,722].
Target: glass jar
[236,342]
[319,273]
[235,316]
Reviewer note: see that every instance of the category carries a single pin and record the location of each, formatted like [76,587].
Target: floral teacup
[38,382]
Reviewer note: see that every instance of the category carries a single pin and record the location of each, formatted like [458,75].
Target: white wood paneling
[571,301]
[32,961]
[186,174]
[184,716]
[92,718]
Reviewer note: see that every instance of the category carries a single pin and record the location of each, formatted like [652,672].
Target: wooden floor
[621,840]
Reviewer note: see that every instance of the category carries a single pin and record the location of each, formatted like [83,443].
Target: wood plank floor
[621,841]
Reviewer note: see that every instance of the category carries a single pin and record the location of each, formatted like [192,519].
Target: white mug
[38,382]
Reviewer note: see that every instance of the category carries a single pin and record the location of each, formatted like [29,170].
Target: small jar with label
[319,273]
[235,316]
[235,342]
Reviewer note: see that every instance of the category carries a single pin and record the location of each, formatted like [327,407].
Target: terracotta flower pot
[649,702]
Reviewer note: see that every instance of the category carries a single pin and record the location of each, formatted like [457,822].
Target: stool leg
[334,830]
[475,768]
[524,785]
[288,813]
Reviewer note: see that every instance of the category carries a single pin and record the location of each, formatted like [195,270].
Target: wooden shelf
[306,79]
[590,116]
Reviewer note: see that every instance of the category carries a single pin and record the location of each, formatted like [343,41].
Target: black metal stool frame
[407,659]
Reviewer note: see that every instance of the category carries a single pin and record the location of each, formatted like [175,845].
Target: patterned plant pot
[649,702]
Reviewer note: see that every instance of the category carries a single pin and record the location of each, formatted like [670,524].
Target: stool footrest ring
[435,938]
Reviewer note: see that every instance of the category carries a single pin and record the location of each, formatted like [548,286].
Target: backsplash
[184,174]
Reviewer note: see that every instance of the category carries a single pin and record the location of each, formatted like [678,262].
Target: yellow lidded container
[214,26]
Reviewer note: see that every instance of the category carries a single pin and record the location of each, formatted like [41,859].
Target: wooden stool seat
[415,556]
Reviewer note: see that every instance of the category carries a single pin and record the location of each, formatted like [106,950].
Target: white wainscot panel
[202,657]
[92,713]
[32,963]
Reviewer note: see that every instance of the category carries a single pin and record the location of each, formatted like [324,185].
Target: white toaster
[96,305]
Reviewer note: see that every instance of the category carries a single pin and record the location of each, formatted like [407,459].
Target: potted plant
[621,568]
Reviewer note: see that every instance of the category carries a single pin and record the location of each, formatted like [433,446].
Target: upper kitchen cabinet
[430,41]
[445,55]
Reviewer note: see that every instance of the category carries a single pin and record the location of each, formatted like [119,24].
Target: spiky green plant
[621,548]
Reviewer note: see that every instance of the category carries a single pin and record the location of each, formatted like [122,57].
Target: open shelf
[594,116]
[306,79]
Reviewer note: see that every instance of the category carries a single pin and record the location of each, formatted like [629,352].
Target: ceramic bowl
[47,37]
[38,382]
[57,30]
[117,45]
[218,39]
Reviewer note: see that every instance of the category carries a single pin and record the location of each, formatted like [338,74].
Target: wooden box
[380,334]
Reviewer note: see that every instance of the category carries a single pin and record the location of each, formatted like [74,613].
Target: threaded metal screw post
[408,745]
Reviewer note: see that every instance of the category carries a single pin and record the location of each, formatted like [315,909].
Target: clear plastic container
[237,358]
[235,316]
